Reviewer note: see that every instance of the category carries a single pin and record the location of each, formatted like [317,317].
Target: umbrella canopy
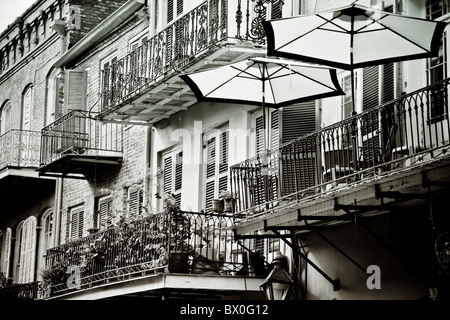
[267,82]
[353,37]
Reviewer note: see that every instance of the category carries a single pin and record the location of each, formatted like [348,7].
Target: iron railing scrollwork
[150,244]
[79,131]
[20,148]
[402,132]
[184,39]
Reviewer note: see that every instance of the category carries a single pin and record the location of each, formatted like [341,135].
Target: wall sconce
[278,284]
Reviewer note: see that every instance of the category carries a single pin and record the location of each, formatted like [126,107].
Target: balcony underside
[79,166]
[384,193]
[16,182]
[158,99]
[173,286]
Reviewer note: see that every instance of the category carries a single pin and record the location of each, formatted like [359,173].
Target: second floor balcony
[144,86]
[19,159]
[352,158]
[148,256]
[77,144]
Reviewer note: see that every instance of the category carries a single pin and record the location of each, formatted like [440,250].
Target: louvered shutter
[75,90]
[104,211]
[30,250]
[277,7]
[167,174]
[76,223]
[180,7]
[135,200]
[178,176]
[7,252]
[169,10]
[210,173]
[298,157]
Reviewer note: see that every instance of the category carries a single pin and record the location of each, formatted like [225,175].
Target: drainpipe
[147,169]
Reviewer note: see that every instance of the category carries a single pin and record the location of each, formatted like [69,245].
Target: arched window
[27,107]
[46,237]
[5,117]
[25,251]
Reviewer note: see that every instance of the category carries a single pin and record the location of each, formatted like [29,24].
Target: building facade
[129,163]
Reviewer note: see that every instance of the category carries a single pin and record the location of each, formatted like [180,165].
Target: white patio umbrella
[352,37]
[263,81]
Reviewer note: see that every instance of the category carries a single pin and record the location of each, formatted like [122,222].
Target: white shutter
[75,90]
[76,223]
[30,250]
[104,211]
[7,252]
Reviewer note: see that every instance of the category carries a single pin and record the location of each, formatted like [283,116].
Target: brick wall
[84,15]
[114,181]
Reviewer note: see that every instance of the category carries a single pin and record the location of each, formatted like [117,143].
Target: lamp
[278,283]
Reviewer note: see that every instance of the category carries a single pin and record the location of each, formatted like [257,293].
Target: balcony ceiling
[170,94]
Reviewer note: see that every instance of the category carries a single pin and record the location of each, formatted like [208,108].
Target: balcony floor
[173,286]
[80,165]
[404,188]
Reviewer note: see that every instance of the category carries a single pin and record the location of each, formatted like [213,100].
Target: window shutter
[7,252]
[75,90]
[77,224]
[167,174]
[259,127]
[169,10]
[274,130]
[104,211]
[277,7]
[211,158]
[209,195]
[135,198]
[223,155]
[30,250]
[370,87]
[178,170]
[297,120]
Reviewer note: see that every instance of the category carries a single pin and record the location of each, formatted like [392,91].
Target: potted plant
[229,200]
[217,205]
[179,235]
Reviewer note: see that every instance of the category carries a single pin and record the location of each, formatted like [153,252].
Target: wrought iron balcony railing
[182,41]
[20,148]
[78,132]
[176,242]
[411,129]
[25,291]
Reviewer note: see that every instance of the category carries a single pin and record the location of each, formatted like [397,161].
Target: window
[216,164]
[110,76]
[436,8]
[172,166]
[174,9]
[25,251]
[27,107]
[104,212]
[46,236]
[5,117]
[55,95]
[76,224]
[346,102]
[6,252]
[138,41]
[261,134]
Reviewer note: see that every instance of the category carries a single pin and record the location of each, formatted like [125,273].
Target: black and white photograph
[225,158]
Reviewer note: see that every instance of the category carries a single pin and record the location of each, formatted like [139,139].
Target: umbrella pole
[354,123]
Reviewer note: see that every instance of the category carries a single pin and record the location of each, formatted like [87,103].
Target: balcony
[19,159]
[144,86]
[25,291]
[76,145]
[173,252]
[369,162]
